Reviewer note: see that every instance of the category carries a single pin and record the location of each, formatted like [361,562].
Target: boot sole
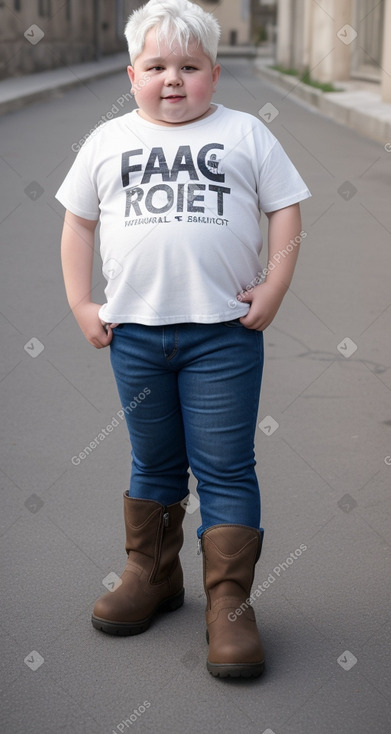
[124,629]
[234,670]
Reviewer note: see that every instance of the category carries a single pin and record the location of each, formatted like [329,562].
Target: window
[44,8]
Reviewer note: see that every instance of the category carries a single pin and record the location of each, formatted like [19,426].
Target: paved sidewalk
[17,92]
[358,105]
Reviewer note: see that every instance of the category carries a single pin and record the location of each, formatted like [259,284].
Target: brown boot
[230,553]
[152,581]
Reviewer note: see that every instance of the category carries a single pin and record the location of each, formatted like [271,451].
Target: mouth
[174,97]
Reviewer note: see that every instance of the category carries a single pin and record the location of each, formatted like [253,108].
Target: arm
[265,299]
[77,254]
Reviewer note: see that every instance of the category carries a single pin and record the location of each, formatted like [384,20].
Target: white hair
[176,21]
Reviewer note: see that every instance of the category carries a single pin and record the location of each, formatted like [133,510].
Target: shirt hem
[234,313]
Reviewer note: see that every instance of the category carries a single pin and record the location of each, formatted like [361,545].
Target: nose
[172,78]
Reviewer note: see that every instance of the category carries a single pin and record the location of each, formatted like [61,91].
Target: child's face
[172,88]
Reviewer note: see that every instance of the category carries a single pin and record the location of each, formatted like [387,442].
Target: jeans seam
[169,357]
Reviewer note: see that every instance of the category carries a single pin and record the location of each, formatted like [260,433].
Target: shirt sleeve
[77,193]
[280,183]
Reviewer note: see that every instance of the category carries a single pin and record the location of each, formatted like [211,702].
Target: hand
[95,331]
[265,300]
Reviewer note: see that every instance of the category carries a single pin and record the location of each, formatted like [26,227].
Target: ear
[216,71]
[131,74]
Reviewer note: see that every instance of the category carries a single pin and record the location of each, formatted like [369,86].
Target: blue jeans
[190,393]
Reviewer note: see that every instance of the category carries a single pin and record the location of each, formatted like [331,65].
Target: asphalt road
[324,459]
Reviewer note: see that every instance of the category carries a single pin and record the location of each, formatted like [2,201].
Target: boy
[178,185]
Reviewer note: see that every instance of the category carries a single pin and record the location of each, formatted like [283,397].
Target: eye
[155,68]
[189,68]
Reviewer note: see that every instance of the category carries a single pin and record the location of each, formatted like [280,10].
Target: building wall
[337,40]
[74,32]
[386,54]
[83,30]
[234,17]
[329,58]
[263,20]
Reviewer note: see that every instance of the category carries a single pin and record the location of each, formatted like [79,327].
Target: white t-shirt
[179,211]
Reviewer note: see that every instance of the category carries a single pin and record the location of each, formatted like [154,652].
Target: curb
[360,110]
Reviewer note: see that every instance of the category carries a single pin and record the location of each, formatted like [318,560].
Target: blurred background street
[324,426]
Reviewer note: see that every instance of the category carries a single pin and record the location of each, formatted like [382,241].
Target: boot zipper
[166,520]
